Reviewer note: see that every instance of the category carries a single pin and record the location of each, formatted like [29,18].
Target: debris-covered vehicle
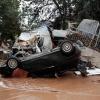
[43,37]
[47,59]
[62,58]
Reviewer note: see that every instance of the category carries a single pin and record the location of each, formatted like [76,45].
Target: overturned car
[47,59]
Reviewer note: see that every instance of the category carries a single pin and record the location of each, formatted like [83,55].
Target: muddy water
[68,87]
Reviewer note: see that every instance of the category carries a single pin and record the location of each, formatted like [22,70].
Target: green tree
[87,9]
[65,11]
[34,12]
[9,24]
[62,11]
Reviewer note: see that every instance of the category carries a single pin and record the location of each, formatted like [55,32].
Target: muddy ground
[68,87]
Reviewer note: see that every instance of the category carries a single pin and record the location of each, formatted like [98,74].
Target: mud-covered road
[68,87]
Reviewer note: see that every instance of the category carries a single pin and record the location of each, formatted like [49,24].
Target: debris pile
[88,32]
[84,39]
[65,55]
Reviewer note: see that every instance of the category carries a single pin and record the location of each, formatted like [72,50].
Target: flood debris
[92,62]
[43,52]
[88,32]
[90,72]
[87,68]
[51,60]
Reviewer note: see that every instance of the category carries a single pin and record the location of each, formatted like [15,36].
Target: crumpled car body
[64,57]
[50,60]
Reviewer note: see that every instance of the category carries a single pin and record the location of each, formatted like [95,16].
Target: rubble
[92,58]
[88,32]
[89,56]
[90,72]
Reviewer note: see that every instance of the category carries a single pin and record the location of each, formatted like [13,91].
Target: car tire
[67,47]
[8,70]
[12,63]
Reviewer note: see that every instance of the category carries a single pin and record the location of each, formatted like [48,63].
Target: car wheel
[67,47]
[12,63]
